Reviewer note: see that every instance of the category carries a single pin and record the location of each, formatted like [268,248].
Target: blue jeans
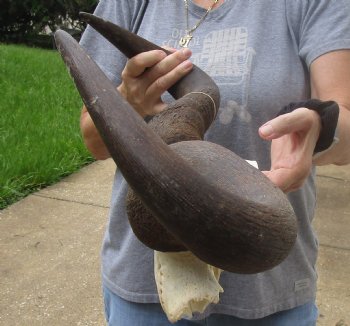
[120,312]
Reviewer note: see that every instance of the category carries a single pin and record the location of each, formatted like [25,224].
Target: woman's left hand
[294,136]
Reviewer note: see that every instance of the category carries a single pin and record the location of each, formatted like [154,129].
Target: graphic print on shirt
[225,56]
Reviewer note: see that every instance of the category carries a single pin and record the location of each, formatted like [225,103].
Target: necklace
[185,40]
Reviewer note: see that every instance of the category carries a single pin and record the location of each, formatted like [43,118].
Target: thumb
[275,128]
[298,120]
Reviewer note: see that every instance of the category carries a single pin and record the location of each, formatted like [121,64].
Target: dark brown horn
[181,121]
[131,44]
[226,212]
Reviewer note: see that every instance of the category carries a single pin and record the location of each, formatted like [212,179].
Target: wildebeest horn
[179,122]
[210,200]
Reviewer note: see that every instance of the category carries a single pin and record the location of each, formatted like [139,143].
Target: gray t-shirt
[259,53]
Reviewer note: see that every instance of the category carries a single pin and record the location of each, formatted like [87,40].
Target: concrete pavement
[50,243]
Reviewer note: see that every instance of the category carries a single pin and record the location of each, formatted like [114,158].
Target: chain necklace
[185,40]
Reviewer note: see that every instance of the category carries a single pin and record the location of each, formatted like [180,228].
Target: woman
[262,55]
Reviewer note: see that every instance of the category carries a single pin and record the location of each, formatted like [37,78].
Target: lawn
[40,141]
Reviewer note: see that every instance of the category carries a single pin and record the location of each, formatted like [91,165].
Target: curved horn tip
[84,15]
[58,36]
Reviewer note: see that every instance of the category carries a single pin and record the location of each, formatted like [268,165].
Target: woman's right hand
[144,79]
[148,75]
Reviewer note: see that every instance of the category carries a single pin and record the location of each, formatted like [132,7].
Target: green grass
[40,141]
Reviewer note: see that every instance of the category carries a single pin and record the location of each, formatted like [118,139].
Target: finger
[163,83]
[169,48]
[287,179]
[139,63]
[167,64]
[280,178]
[298,120]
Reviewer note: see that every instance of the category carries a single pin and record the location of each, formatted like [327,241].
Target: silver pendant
[185,40]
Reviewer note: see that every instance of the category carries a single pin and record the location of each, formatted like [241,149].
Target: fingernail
[186,52]
[266,130]
[186,64]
